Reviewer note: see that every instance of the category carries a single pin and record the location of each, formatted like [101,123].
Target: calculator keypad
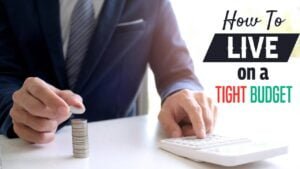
[210,141]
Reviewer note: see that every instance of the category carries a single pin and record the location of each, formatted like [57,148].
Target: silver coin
[77,150]
[77,136]
[79,131]
[81,146]
[80,139]
[81,152]
[81,155]
[84,133]
[84,126]
[78,121]
[85,154]
[80,134]
[79,128]
[75,110]
[80,149]
[80,143]
[79,124]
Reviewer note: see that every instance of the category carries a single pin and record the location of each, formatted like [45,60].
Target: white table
[131,143]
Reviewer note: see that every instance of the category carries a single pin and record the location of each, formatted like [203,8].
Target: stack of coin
[80,138]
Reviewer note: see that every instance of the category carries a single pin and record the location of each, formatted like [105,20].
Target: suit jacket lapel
[107,22]
[50,22]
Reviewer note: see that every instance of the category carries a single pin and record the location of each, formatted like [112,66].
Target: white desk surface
[131,143]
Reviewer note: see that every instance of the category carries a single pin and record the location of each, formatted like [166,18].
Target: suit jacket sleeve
[170,60]
[11,76]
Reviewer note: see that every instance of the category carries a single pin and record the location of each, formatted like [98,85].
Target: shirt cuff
[180,85]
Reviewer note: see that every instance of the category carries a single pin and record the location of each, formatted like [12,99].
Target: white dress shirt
[66,9]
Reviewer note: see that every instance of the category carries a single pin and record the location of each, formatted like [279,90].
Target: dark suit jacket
[31,45]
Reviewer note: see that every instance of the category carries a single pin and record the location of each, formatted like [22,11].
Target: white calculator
[221,150]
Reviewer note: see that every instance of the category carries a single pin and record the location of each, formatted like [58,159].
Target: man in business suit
[52,49]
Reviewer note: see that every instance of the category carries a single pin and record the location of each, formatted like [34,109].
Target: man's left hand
[187,113]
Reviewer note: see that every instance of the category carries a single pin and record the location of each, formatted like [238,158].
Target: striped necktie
[82,27]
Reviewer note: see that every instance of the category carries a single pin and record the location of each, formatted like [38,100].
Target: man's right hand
[38,108]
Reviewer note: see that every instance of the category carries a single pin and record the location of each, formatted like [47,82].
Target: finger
[32,105]
[188,130]
[169,124]
[194,111]
[40,90]
[32,136]
[215,112]
[14,114]
[36,123]
[207,111]
[71,98]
